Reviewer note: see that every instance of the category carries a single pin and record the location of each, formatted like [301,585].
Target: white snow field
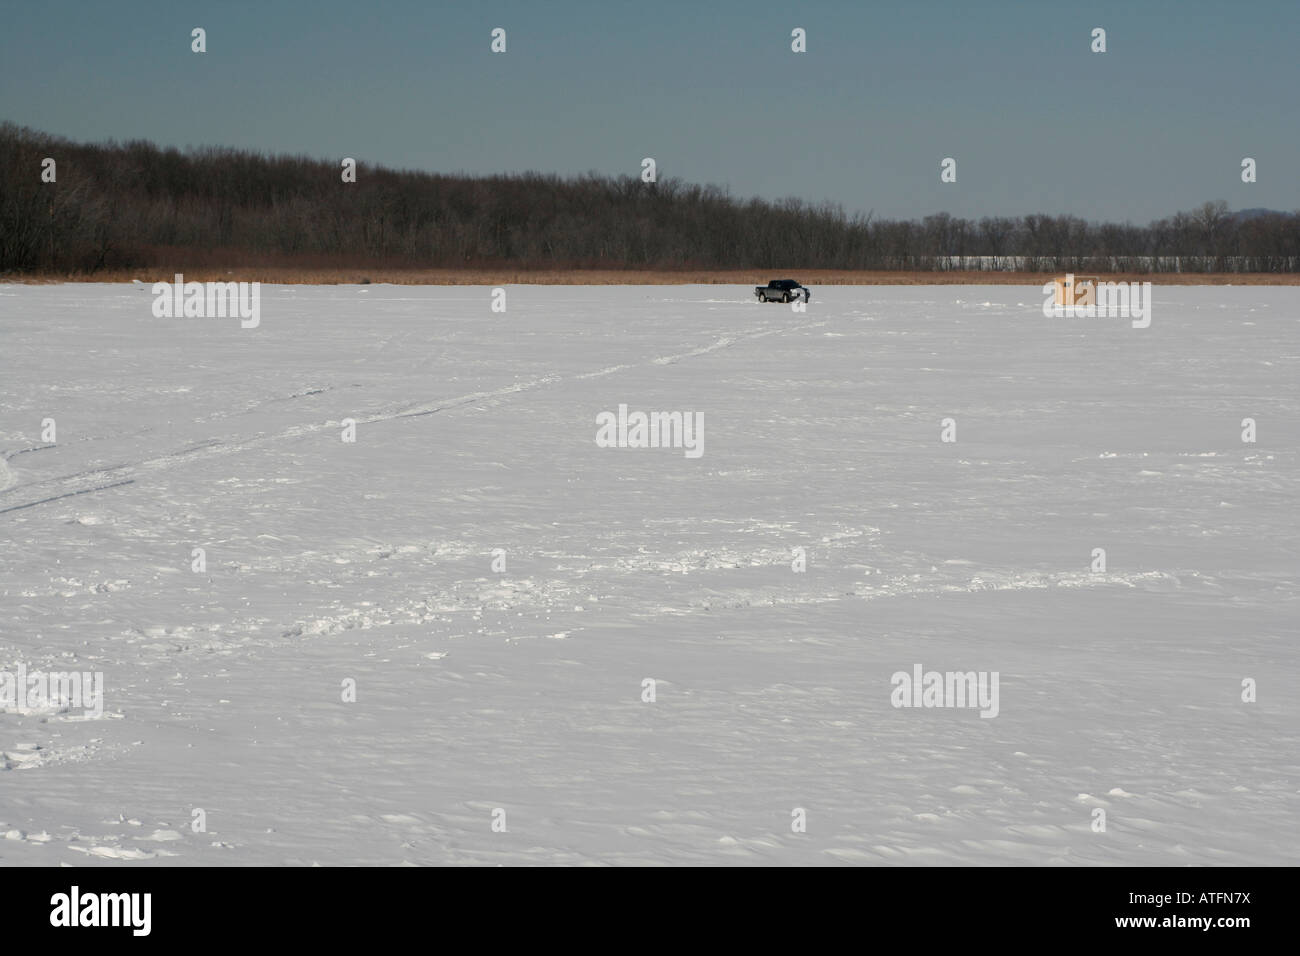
[480,690]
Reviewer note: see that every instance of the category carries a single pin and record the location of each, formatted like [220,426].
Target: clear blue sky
[1036,121]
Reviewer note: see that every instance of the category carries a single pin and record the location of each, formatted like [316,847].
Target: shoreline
[507,276]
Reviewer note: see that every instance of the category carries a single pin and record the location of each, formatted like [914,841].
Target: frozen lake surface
[520,689]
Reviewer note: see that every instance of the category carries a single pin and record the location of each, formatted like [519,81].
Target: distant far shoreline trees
[135,205]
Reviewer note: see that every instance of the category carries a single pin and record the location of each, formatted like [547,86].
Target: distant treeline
[130,205]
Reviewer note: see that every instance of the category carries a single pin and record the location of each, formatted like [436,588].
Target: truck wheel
[761,297]
[785,297]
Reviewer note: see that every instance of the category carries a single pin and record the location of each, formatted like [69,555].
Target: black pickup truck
[782,290]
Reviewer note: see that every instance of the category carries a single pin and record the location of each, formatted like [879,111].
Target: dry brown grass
[290,275]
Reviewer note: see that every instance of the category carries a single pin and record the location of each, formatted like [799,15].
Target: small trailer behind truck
[782,290]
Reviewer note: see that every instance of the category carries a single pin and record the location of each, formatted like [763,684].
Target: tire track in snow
[68,494]
[67,486]
[729,340]
[7,477]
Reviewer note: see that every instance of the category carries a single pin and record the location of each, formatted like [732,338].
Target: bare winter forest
[135,205]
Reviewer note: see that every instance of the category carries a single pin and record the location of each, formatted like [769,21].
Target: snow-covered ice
[479,689]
